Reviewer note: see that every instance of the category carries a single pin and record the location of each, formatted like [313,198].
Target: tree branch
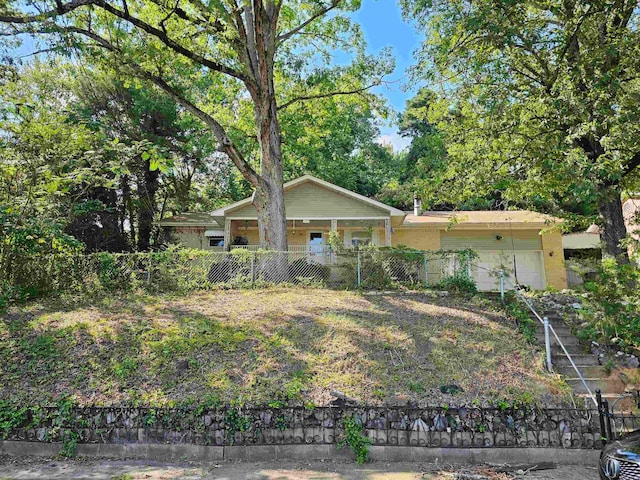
[326,95]
[124,15]
[61,9]
[285,36]
[631,165]
[226,144]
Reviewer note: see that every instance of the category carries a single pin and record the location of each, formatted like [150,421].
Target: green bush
[301,271]
[458,284]
[520,314]
[612,307]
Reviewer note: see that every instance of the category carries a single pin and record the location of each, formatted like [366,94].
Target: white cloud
[398,142]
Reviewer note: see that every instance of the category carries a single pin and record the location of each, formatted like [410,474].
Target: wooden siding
[309,200]
[483,241]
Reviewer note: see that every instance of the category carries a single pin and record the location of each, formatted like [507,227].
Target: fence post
[605,407]
[502,285]
[358,271]
[253,268]
[601,413]
[425,265]
[547,343]
[467,258]
[149,267]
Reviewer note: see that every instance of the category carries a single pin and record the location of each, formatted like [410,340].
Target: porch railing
[292,248]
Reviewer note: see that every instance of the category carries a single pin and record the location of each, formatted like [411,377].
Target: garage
[518,254]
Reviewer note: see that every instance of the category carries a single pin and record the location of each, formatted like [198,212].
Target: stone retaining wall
[385,426]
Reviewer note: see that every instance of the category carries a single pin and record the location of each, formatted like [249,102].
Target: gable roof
[394,212]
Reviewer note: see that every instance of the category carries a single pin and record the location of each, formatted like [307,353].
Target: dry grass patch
[266,346]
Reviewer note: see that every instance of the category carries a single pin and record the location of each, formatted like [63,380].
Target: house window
[362,237]
[216,241]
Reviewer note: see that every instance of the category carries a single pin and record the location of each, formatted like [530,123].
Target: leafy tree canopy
[537,101]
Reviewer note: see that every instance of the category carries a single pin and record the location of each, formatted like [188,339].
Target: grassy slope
[265,345]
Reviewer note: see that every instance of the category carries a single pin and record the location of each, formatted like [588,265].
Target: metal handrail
[548,327]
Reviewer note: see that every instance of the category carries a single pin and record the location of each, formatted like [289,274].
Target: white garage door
[528,269]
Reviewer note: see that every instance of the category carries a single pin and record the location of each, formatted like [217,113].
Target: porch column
[334,225]
[227,234]
[387,232]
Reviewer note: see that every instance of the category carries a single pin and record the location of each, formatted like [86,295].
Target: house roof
[394,212]
[481,218]
[190,219]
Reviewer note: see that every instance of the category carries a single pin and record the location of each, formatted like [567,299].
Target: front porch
[312,236]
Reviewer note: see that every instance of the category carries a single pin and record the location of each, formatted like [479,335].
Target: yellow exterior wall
[300,237]
[420,238]
[191,237]
[189,240]
[554,260]
[456,239]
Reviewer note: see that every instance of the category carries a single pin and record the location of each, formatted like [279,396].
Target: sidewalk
[12,468]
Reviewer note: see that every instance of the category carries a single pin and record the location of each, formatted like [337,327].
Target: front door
[316,246]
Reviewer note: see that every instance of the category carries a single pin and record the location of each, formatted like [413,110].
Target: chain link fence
[186,270]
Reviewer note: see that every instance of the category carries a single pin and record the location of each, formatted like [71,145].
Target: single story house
[524,243]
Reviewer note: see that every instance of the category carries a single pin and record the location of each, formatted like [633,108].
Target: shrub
[520,314]
[458,284]
[301,271]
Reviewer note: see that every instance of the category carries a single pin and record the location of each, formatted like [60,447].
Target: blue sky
[383,25]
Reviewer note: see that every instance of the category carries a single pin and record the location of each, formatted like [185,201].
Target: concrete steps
[595,375]
[602,384]
[560,329]
[576,349]
[581,360]
[565,339]
[587,371]
[623,405]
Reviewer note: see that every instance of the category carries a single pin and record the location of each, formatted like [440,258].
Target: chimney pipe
[417,206]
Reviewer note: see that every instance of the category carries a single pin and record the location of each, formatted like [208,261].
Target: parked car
[620,459]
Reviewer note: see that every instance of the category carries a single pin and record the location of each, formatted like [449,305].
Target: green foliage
[613,306]
[125,368]
[537,107]
[69,445]
[355,438]
[235,421]
[520,314]
[458,284]
[416,387]
[11,416]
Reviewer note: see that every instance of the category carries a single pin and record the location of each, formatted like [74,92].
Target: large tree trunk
[269,197]
[613,229]
[147,188]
